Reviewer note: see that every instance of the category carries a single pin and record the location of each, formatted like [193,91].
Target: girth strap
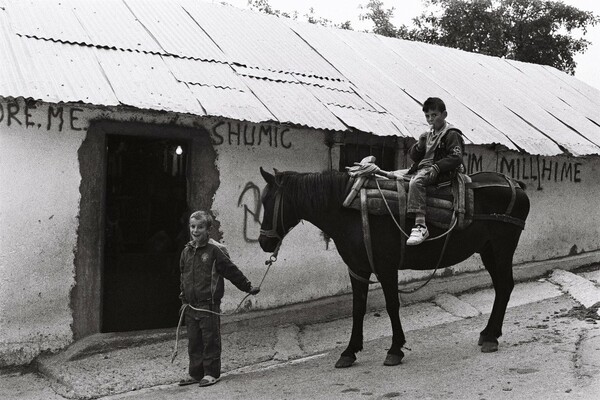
[366,228]
[513,195]
[401,218]
[500,217]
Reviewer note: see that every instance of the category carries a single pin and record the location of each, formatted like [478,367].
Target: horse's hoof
[345,361]
[489,344]
[489,347]
[393,359]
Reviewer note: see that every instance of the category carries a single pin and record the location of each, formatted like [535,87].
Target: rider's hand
[254,290]
[433,173]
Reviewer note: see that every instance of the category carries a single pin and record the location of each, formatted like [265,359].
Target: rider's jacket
[447,157]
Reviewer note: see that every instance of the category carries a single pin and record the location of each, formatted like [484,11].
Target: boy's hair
[434,104]
[204,217]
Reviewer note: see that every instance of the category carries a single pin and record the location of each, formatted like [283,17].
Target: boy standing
[437,157]
[203,264]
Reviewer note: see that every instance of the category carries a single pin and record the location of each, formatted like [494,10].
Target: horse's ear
[267,176]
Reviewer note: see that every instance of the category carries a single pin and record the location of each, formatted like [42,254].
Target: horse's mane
[314,190]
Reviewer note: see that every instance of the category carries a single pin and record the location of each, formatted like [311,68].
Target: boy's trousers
[204,342]
[417,191]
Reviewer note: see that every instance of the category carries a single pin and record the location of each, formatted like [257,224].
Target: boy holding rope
[204,263]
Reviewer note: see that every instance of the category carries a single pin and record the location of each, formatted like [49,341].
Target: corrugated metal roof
[46,71]
[291,103]
[258,40]
[92,22]
[143,80]
[175,31]
[193,57]
[472,101]
[231,103]
[205,73]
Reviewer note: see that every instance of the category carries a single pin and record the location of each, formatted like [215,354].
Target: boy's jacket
[447,157]
[202,271]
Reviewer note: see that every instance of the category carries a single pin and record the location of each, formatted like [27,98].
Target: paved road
[550,350]
[546,353]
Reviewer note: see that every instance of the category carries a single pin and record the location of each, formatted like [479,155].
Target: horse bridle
[277,213]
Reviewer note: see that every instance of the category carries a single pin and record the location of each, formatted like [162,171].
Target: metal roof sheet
[92,22]
[206,73]
[339,98]
[369,121]
[291,103]
[375,87]
[231,103]
[472,100]
[49,71]
[143,80]
[207,59]
[418,78]
[258,40]
[582,134]
[175,31]
[39,19]
[535,123]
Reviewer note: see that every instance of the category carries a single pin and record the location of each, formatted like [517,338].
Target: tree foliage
[535,31]
[381,18]
[264,6]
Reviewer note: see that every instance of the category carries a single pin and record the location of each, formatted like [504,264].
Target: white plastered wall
[39,206]
[307,267]
[39,201]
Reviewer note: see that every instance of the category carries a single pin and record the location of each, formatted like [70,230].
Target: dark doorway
[145,230]
[351,153]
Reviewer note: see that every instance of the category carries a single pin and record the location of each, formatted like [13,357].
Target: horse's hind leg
[359,309]
[498,262]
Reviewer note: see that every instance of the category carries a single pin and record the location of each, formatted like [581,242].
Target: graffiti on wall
[242,134]
[535,170]
[27,115]
[250,200]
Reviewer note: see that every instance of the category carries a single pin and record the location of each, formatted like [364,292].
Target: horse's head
[279,214]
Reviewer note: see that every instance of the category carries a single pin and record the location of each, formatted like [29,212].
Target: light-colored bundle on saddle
[384,195]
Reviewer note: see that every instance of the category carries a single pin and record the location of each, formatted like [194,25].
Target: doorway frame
[203,181]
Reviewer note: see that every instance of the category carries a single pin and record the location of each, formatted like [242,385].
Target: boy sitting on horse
[437,157]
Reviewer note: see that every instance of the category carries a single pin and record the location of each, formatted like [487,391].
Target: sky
[339,11]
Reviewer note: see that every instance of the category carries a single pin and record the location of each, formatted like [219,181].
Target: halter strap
[277,213]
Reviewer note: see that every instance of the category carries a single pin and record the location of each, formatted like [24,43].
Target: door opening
[145,231]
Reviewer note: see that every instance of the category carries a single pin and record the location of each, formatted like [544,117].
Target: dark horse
[317,197]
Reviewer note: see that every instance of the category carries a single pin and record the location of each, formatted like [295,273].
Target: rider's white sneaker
[418,235]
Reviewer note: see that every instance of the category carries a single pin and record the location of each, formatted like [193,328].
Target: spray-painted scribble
[250,199]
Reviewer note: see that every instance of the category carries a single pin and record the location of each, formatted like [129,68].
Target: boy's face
[198,230]
[436,118]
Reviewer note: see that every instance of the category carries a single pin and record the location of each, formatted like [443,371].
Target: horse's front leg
[389,285]
[359,309]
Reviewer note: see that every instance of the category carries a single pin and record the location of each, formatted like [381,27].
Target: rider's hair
[203,217]
[434,104]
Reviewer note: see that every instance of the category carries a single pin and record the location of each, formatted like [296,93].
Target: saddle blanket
[443,200]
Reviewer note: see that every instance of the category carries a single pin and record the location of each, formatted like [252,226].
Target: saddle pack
[388,196]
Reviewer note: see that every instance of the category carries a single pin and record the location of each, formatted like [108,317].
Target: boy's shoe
[208,380]
[418,235]
[188,381]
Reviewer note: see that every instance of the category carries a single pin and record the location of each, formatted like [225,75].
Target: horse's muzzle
[268,244]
